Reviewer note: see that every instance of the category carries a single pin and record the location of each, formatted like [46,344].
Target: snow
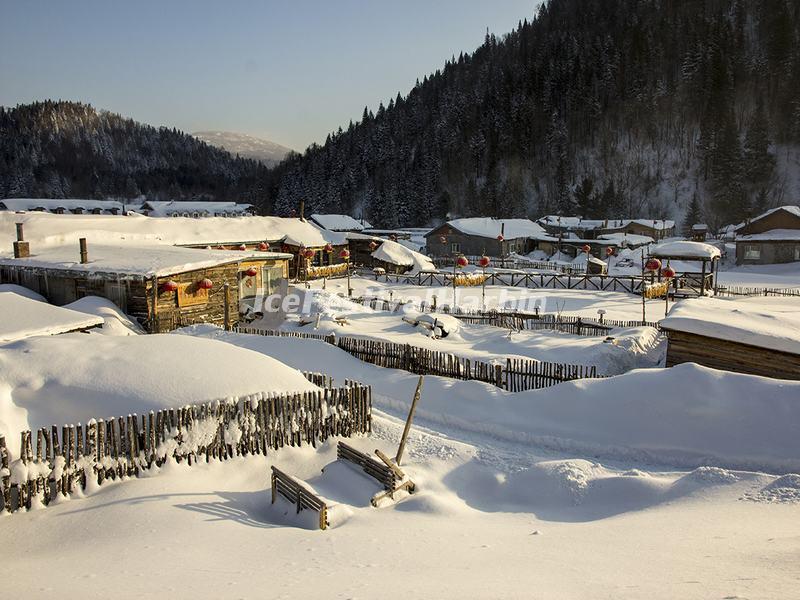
[772,323]
[777,235]
[685,249]
[76,377]
[339,222]
[22,317]
[770,276]
[21,291]
[491,228]
[398,254]
[625,239]
[115,322]
[145,260]
[43,229]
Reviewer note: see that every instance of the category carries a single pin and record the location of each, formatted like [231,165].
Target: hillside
[622,108]
[68,149]
[246,146]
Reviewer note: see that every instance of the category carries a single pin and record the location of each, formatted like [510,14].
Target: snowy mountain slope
[247,146]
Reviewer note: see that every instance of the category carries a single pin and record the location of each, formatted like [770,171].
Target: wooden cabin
[770,238]
[736,335]
[482,235]
[162,287]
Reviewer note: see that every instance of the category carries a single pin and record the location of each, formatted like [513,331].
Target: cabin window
[797,252]
[752,252]
[195,214]
[455,247]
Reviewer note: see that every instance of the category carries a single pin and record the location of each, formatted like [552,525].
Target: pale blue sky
[287,71]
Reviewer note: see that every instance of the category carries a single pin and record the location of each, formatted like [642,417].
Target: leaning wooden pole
[410,418]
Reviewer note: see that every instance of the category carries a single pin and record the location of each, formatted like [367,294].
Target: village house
[770,238]
[195,209]
[163,287]
[340,223]
[736,335]
[482,235]
[589,229]
[61,206]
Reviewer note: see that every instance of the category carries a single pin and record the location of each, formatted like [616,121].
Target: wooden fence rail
[515,263]
[125,446]
[510,319]
[750,291]
[631,284]
[515,375]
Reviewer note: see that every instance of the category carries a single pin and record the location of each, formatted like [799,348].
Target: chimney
[84,251]
[22,249]
[302,210]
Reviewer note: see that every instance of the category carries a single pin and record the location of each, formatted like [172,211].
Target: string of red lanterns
[462,261]
[484,261]
[263,246]
[169,286]
[652,264]
[205,284]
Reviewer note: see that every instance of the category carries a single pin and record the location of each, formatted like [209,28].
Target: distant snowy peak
[244,145]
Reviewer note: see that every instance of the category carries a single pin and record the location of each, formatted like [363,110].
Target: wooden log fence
[519,375]
[124,447]
[733,291]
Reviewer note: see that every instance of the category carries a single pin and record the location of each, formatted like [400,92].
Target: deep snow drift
[75,377]
[684,416]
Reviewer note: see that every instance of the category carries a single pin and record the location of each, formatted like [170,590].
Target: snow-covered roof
[699,227]
[630,238]
[145,260]
[581,223]
[491,228]
[164,208]
[774,235]
[398,254]
[44,229]
[339,222]
[736,321]
[22,317]
[685,249]
[50,204]
[790,208]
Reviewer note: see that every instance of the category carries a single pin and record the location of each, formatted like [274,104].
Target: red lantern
[652,264]
[328,247]
[500,238]
[373,245]
[462,261]
[169,286]
[668,272]
[242,247]
[586,248]
[484,262]
[251,272]
[263,246]
[443,239]
[205,284]
[609,251]
[309,253]
[344,254]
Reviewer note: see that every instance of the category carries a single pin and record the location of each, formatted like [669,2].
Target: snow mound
[22,317]
[22,291]
[115,322]
[397,254]
[785,489]
[76,377]
[710,475]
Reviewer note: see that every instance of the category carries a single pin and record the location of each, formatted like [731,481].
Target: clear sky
[287,71]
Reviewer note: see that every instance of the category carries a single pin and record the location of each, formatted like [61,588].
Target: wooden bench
[298,495]
[385,472]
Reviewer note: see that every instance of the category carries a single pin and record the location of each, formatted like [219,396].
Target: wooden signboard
[189,294]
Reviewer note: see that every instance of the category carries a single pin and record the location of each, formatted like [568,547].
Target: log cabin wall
[685,347]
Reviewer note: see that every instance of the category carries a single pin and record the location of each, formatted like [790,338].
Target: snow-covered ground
[656,483]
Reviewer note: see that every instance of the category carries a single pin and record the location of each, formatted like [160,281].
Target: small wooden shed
[759,336]
[163,287]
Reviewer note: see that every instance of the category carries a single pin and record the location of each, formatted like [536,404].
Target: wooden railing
[122,447]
